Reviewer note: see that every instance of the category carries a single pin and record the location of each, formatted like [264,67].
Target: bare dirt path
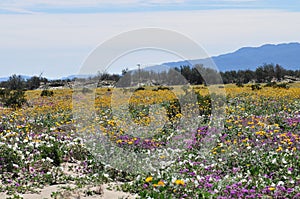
[101,192]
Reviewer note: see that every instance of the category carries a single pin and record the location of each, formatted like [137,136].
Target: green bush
[239,84]
[283,85]
[255,87]
[162,88]
[47,93]
[275,85]
[12,98]
[271,84]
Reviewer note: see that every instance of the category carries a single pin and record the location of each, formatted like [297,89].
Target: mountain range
[286,54]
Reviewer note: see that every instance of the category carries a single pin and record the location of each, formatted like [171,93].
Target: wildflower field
[254,155]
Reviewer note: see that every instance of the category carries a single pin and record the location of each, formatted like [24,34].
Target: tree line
[12,91]
[262,74]
[17,82]
[198,74]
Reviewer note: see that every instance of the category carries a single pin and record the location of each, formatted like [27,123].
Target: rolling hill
[287,55]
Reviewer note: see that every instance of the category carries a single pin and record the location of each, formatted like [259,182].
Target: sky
[56,37]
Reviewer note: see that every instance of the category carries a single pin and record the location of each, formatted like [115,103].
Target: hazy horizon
[132,58]
[55,37]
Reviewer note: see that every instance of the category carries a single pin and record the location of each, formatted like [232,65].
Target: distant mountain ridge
[286,54]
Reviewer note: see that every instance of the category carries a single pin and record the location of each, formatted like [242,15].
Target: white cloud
[66,39]
[87,30]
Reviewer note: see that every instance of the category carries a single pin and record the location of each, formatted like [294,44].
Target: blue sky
[96,6]
[54,37]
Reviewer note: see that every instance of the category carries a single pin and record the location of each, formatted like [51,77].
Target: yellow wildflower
[179,182]
[149,179]
[271,188]
[279,149]
[161,183]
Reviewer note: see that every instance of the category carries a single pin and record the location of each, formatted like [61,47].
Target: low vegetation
[254,155]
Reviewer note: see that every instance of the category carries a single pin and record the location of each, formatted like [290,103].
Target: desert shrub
[275,85]
[140,89]
[239,84]
[15,82]
[163,88]
[255,87]
[46,93]
[283,85]
[271,84]
[34,82]
[12,98]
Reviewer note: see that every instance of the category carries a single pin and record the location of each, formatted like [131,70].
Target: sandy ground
[101,192]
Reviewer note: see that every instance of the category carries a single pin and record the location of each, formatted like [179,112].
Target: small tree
[33,83]
[15,82]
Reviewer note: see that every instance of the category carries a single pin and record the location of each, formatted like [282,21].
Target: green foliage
[54,152]
[15,83]
[8,158]
[270,84]
[255,87]
[162,88]
[275,85]
[12,98]
[239,84]
[34,82]
[138,111]
[46,93]
[173,108]
[283,85]
[261,74]
[204,103]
